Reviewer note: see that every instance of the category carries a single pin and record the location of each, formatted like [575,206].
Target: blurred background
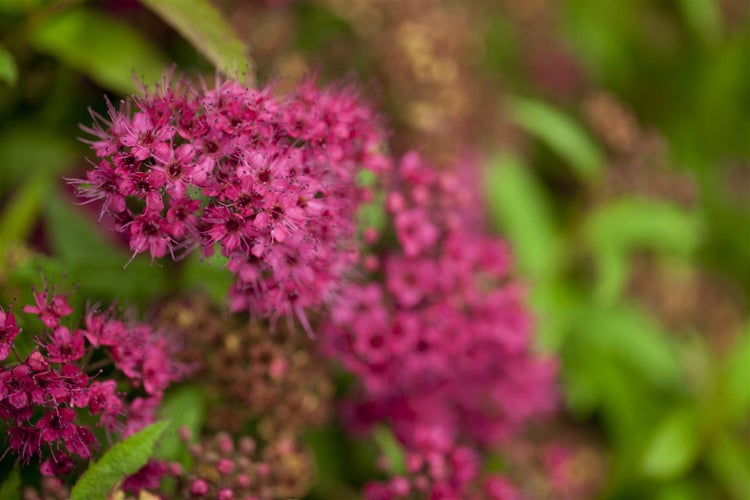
[612,143]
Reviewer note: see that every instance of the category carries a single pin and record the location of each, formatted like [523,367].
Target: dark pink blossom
[105,400]
[269,180]
[16,385]
[25,441]
[57,425]
[65,347]
[45,398]
[50,308]
[148,477]
[151,232]
[443,345]
[8,332]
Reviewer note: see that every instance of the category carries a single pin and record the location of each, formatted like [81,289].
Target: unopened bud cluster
[273,378]
[246,469]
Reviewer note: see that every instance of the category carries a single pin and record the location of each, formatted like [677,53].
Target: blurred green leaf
[518,206]
[10,489]
[183,406]
[391,449]
[73,238]
[209,275]
[673,447]
[729,460]
[319,28]
[582,393]
[328,462]
[679,490]
[8,68]
[27,149]
[371,214]
[616,229]
[95,263]
[20,6]
[110,52]
[205,27]
[20,214]
[124,458]
[30,270]
[738,378]
[555,304]
[560,133]
[703,17]
[627,404]
[600,34]
[625,333]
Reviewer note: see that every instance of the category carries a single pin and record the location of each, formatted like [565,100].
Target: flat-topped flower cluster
[269,180]
[427,314]
[112,370]
[439,336]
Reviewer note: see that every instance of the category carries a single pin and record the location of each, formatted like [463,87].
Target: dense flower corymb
[269,181]
[441,340]
[43,393]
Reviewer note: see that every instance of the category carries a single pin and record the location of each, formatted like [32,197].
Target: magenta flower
[57,425]
[25,442]
[8,332]
[50,308]
[271,181]
[43,398]
[105,400]
[148,477]
[58,465]
[65,347]
[149,231]
[442,346]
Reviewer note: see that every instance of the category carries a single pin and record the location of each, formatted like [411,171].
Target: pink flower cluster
[441,339]
[270,181]
[43,393]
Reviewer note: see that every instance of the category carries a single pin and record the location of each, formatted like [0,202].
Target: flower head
[269,181]
[43,398]
[442,346]
[8,331]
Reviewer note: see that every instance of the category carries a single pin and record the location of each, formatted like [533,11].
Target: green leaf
[673,447]
[205,27]
[184,406]
[560,133]
[630,222]
[391,449]
[518,206]
[123,459]
[626,334]
[685,489]
[616,229]
[110,52]
[209,275]
[20,214]
[20,6]
[27,149]
[703,17]
[8,68]
[94,262]
[324,445]
[737,376]
[729,460]
[555,304]
[74,238]
[11,487]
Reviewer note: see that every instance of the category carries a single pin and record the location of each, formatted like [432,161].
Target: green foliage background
[668,405]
